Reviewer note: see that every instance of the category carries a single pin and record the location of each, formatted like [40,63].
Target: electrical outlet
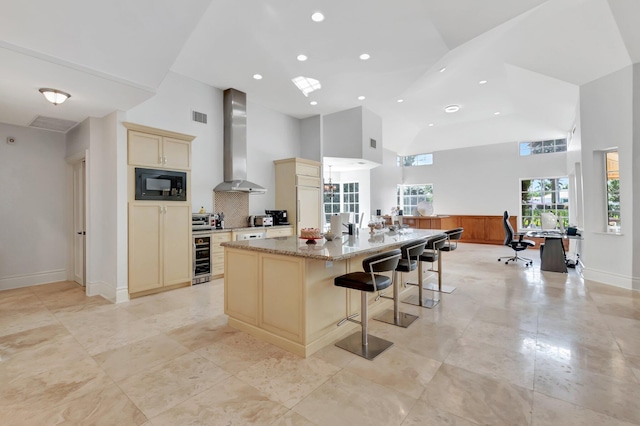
[11,140]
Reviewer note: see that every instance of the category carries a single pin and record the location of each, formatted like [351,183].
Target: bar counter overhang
[281,290]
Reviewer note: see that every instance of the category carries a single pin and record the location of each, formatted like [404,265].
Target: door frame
[72,162]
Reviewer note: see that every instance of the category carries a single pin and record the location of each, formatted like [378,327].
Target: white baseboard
[122,295]
[616,280]
[28,280]
[99,288]
[113,295]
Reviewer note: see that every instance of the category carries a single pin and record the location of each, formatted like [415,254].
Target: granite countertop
[247,228]
[339,249]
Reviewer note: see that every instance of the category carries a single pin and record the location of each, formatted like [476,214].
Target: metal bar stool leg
[420,300]
[395,317]
[439,287]
[364,344]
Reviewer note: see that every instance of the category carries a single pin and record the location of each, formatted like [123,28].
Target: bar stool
[410,254]
[453,236]
[431,254]
[363,344]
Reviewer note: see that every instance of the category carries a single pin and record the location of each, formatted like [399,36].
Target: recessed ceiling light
[313,103]
[317,17]
[400,101]
[302,58]
[452,108]
[496,113]
[443,69]
[430,124]
[257,76]
[306,84]
[362,98]
[365,56]
[482,82]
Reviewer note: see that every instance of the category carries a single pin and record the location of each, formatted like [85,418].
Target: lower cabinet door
[177,245]
[144,247]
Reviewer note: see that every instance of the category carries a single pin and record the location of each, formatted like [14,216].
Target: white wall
[33,207]
[342,134]
[384,182]
[170,109]
[270,136]
[311,138]
[482,180]
[372,129]
[78,139]
[606,110]
[363,177]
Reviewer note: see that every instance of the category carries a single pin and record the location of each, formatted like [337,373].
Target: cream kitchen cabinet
[284,231]
[298,190]
[217,253]
[157,148]
[159,246]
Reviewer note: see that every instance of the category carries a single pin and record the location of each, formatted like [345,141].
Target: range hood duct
[235,145]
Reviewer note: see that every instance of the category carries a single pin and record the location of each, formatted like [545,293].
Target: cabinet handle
[164,160]
[160,160]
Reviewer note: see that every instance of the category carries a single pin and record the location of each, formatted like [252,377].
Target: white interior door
[79,230]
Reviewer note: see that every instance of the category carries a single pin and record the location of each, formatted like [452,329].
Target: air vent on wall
[200,117]
[53,124]
[372,143]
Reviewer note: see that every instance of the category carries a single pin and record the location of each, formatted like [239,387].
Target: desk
[552,257]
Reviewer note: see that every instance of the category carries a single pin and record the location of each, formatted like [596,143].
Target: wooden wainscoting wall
[480,229]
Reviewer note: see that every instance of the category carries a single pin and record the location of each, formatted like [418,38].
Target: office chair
[516,245]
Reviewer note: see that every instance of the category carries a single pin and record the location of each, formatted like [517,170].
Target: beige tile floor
[511,346]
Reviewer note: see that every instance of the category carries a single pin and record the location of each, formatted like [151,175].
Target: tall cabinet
[160,246]
[298,190]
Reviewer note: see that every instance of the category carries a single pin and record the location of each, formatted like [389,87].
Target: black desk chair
[363,344]
[410,254]
[516,245]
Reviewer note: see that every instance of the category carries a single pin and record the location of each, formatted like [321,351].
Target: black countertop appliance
[279,217]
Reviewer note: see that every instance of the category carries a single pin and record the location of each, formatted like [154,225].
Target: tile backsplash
[234,205]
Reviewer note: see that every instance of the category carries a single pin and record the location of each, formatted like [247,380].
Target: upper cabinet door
[145,149]
[177,154]
[157,151]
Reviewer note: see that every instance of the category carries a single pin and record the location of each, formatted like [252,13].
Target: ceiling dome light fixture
[400,101]
[317,17]
[313,103]
[361,98]
[302,58]
[365,56]
[482,82]
[496,113]
[452,108]
[431,124]
[55,96]
[443,69]
[257,76]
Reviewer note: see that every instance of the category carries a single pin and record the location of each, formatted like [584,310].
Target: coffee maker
[279,217]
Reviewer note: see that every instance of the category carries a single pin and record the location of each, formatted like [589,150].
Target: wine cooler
[201,258]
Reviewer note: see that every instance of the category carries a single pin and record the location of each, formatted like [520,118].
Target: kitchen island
[281,290]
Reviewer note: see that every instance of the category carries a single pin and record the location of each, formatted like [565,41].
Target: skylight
[306,84]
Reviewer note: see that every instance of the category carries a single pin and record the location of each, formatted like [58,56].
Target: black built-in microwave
[166,185]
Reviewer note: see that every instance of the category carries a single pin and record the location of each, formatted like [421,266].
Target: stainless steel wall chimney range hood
[235,145]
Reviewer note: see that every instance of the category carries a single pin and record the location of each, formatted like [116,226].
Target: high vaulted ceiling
[534,55]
